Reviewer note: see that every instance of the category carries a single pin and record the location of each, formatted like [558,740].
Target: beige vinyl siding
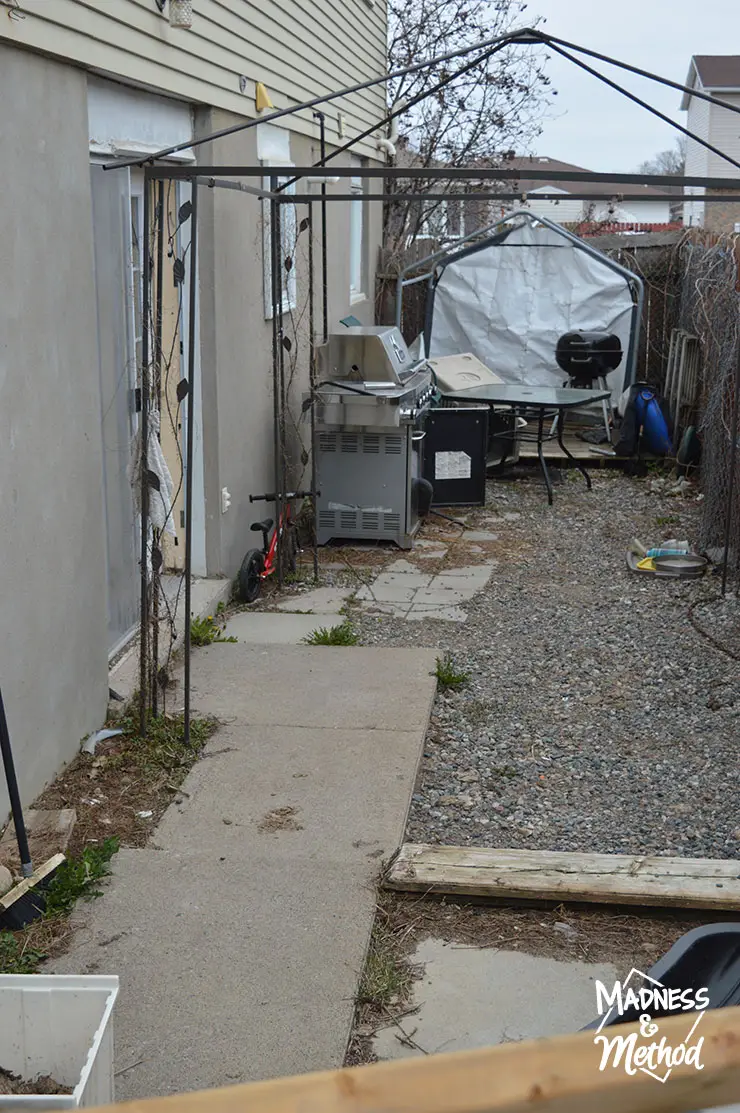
[566,211]
[298,50]
[697,120]
[724,133]
[635,212]
[697,158]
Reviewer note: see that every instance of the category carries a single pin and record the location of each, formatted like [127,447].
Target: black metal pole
[550,40]
[399,111]
[733,464]
[189,441]
[14,795]
[324,243]
[282,489]
[156,566]
[312,386]
[144,479]
[277,298]
[525,35]
[642,103]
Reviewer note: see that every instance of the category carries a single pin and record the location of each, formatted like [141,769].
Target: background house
[84,82]
[717,75]
[452,219]
[653,207]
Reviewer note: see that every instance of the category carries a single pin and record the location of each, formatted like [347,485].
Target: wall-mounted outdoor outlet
[225,499]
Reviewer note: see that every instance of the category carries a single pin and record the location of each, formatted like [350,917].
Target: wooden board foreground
[559,1075]
[548,875]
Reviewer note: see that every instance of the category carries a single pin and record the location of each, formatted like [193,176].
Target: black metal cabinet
[455,449]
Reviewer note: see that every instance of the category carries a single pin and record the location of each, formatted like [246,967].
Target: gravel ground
[595,717]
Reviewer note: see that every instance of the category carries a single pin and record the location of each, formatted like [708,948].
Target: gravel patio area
[595,717]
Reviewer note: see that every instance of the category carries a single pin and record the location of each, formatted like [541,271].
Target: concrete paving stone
[230,970]
[419,611]
[321,600]
[402,579]
[369,687]
[479,535]
[397,610]
[478,574]
[401,566]
[276,628]
[6,880]
[350,791]
[432,554]
[441,595]
[422,543]
[381,593]
[470,997]
[240,946]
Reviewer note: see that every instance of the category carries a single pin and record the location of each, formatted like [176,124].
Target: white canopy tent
[509,297]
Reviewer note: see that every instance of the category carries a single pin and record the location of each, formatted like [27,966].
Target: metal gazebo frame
[205,176]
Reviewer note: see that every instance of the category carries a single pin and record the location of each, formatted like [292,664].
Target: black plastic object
[689,452]
[586,356]
[422,495]
[706,958]
[455,449]
[13,794]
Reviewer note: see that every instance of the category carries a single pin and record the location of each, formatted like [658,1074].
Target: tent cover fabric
[509,302]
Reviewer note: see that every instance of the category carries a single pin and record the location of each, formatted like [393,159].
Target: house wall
[298,51]
[569,211]
[236,337]
[566,211]
[53,653]
[722,129]
[724,133]
[635,212]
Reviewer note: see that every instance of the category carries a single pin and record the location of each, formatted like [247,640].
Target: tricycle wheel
[249,580]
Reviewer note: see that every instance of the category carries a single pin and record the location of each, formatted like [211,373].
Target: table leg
[540,453]
[578,464]
[507,444]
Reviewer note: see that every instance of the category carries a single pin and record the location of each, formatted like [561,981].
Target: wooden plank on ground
[560,1075]
[549,875]
[578,448]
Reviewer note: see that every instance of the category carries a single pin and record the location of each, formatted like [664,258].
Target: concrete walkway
[239,934]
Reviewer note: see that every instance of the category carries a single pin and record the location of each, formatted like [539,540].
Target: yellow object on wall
[262,97]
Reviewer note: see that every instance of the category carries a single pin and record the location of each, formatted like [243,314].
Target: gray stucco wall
[53,653]
[236,339]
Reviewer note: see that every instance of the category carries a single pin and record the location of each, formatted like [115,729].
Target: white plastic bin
[60,1025]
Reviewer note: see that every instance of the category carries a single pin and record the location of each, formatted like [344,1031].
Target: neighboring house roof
[531,185]
[714,73]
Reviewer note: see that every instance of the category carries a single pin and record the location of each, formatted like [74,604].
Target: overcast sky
[598,128]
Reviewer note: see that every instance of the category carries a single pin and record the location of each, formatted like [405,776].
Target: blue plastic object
[650,417]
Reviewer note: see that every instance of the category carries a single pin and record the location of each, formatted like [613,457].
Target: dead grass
[566,933]
[126,776]
[385,983]
[585,933]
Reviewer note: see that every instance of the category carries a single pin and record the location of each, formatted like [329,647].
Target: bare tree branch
[485,115]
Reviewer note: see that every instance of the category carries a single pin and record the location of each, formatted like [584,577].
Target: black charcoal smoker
[587,358]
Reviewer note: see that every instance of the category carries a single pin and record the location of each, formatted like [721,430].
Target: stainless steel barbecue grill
[370,409]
